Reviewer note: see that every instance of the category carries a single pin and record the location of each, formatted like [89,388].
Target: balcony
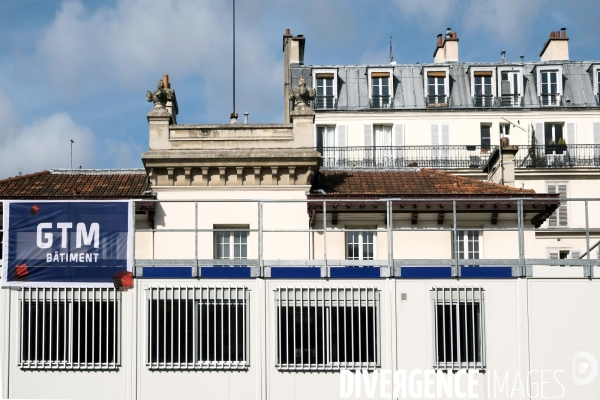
[550,100]
[324,103]
[510,100]
[433,101]
[556,156]
[439,157]
[483,100]
[384,101]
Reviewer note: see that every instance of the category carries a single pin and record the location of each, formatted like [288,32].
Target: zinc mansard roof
[409,84]
[413,182]
[79,184]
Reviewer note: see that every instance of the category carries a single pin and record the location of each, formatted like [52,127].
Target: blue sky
[80,69]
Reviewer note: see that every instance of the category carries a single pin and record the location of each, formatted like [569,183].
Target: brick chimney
[293,53]
[557,47]
[447,48]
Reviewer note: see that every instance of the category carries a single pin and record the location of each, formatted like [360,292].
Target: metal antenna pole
[233,56]
[72,153]
[391,54]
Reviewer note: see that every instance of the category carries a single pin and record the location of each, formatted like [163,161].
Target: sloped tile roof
[409,182]
[92,184]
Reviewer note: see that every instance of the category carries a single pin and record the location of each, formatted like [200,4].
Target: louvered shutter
[435,141]
[539,133]
[596,141]
[368,134]
[571,133]
[445,141]
[398,135]
[552,218]
[562,209]
[341,136]
[575,254]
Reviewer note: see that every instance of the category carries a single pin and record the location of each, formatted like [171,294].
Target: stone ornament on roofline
[160,95]
[302,95]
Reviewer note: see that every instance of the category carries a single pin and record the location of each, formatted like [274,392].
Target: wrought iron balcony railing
[557,156]
[381,101]
[324,103]
[437,100]
[458,156]
[510,100]
[483,100]
[440,157]
[550,99]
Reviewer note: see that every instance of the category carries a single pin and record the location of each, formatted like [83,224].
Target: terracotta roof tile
[409,182]
[95,184]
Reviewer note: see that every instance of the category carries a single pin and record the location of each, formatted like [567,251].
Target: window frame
[232,230]
[72,334]
[489,138]
[446,86]
[451,296]
[330,337]
[474,73]
[519,72]
[463,237]
[214,297]
[315,73]
[379,70]
[559,84]
[361,231]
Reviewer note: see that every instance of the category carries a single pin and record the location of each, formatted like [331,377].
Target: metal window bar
[193,327]
[325,102]
[382,101]
[54,328]
[327,328]
[459,327]
[437,100]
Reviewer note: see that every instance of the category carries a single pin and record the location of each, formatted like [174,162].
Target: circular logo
[585,368]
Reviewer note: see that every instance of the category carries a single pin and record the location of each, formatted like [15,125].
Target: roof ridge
[478,181]
[14,178]
[99,171]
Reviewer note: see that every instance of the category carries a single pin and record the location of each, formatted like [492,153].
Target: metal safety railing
[517,215]
[558,156]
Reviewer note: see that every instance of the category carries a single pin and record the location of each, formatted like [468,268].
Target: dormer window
[381,88]
[483,92]
[550,86]
[597,85]
[326,86]
[436,89]
[510,88]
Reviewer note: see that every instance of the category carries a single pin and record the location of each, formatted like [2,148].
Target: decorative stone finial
[302,95]
[160,95]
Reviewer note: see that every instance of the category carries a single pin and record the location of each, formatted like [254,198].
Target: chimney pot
[564,32]
[166,81]
[453,35]
[552,34]
[287,32]
[439,37]
[557,34]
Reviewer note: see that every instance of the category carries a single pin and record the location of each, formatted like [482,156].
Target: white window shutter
[562,209]
[368,134]
[596,132]
[398,135]
[575,254]
[539,133]
[435,140]
[445,135]
[571,133]
[341,136]
[553,255]
[552,218]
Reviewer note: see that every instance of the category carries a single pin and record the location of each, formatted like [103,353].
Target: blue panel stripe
[355,272]
[425,272]
[167,272]
[486,272]
[295,272]
[225,272]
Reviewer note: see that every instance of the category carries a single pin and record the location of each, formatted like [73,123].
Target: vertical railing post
[587,269]
[520,227]
[325,268]
[390,233]
[261,261]
[455,268]
[198,268]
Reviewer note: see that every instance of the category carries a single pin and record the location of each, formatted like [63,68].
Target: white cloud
[43,144]
[429,12]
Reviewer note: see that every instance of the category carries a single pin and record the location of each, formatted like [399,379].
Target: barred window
[459,327]
[327,328]
[197,327]
[70,328]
